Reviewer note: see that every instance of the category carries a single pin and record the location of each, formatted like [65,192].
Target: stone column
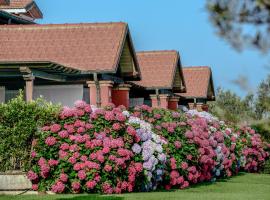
[120,95]
[191,106]
[106,92]
[205,107]
[154,100]
[92,92]
[173,103]
[29,87]
[163,98]
[199,107]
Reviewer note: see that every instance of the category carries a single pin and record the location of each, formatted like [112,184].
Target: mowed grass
[243,186]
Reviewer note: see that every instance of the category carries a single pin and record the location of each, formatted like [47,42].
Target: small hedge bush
[112,150]
[19,122]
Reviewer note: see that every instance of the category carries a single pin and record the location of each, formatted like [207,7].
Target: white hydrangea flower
[126,113]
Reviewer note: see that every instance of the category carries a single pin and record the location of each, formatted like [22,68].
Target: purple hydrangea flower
[162,157]
[136,148]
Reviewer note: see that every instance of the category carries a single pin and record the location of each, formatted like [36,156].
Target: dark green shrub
[263,127]
[266,169]
[19,122]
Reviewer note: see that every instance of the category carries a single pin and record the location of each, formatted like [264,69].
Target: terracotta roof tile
[87,47]
[16,4]
[197,81]
[157,68]
[4,2]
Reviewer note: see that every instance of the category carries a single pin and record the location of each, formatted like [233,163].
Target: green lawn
[245,186]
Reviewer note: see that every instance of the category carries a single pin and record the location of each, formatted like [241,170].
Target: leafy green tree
[242,22]
[231,108]
[263,99]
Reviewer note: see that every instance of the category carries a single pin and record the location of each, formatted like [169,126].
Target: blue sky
[167,24]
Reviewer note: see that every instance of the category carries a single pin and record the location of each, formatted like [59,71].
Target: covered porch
[61,85]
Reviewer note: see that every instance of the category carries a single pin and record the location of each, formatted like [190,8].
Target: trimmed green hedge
[19,122]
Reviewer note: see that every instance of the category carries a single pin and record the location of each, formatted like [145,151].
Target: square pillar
[173,103]
[92,92]
[106,92]
[199,107]
[29,87]
[191,106]
[154,100]
[205,107]
[163,98]
[120,95]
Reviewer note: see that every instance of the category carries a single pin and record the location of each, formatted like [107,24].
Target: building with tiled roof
[162,76]
[19,12]
[97,55]
[95,62]
[199,86]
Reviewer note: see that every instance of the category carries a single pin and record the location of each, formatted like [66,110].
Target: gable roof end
[158,69]
[199,83]
[28,7]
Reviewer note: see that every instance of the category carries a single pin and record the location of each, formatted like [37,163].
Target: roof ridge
[157,51]
[64,25]
[196,67]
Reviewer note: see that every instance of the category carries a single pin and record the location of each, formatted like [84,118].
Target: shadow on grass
[93,197]
[103,197]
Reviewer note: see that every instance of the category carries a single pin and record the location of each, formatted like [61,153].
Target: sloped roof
[4,2]
[30,6]
[158,68]
[198,82]
[93,47]
[16,4]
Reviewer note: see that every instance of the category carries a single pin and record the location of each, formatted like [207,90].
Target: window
[63,94]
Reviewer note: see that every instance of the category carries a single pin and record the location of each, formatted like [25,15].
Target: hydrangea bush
[112,150]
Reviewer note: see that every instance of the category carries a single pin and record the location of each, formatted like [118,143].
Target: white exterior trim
[15,10]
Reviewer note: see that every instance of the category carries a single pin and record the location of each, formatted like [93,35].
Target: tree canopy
[243,23]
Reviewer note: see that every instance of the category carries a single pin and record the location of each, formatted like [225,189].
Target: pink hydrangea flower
[63,177]
[177,144]
[63,134]
[55,128]
[64,146]
[50,141]
[58,187]
[81,174]
[35,187]
[184,165]
[32,176]
[116,126]
[76,186]
[52,162]
[62,154]
[108,168]
[91,184]
[33,154]
[80,104]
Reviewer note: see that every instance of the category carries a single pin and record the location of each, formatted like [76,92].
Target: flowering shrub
[201,148]
[87,150]
[112,150]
